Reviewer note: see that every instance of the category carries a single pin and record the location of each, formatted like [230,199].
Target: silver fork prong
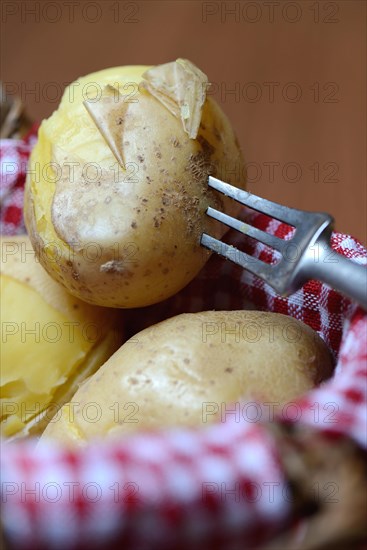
[255,266]
[272,209]
[307,255]
[246,229]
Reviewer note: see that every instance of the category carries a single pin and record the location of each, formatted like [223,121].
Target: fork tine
[255,266]
[246,229]
[272,209]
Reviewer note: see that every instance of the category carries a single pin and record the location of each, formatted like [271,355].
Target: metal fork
[307,255]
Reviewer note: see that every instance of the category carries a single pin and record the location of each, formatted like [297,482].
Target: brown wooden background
[296,69]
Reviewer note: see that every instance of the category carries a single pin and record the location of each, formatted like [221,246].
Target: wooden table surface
[291,76]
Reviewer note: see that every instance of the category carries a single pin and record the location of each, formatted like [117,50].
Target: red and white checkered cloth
[219,487]
[14,154]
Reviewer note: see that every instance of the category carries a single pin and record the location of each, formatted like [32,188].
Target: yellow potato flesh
[40,349]
[50,341]
[75,133]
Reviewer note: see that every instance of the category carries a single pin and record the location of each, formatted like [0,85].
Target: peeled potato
[50,341]
[117,186]
[190,370]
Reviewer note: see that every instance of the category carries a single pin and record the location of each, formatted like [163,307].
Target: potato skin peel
[168,374]
[131,237]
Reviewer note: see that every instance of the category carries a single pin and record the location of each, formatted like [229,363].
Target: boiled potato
[50,341]
[191,370]
[117,187]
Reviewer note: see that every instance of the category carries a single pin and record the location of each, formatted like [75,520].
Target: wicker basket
[309,457]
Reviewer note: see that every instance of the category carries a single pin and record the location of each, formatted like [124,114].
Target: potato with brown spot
[89,195]
[187,370]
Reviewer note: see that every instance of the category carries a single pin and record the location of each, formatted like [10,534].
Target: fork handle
[338,272]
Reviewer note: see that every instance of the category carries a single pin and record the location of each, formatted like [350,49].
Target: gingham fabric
[223,486]
[14,155]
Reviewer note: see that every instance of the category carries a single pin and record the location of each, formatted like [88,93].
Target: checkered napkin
[221,486]
[14,155]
